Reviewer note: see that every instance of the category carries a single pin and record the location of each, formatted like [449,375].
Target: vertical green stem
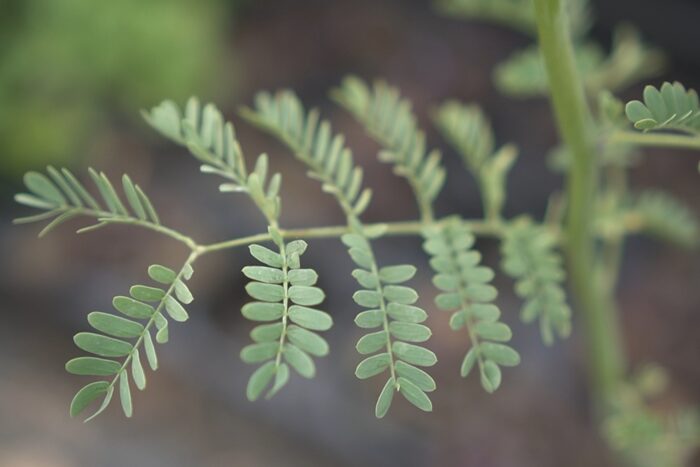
[596,305]
[285,302]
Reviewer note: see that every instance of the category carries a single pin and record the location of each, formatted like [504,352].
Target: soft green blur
[66,66]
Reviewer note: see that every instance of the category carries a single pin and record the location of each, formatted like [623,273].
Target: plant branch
[654,139]
[392,228]
[174,234]
[605,358]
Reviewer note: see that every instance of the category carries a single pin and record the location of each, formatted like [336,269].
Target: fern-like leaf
[390,309]
[213,142]
[314,144]
[62,197]
[466,290]
[284,293]
[204,131]
[529,257]
[389,119]
[671,107]
[127,336]
[466,128]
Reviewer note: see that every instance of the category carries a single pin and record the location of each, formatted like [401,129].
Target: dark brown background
[194,411]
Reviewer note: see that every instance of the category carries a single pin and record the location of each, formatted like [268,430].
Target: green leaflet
[175,309]
[372,342]
[400,294]
[87,395]
[669,107]
[125,394]
[467,294]
[266,256]
[302,277]
[414,354]
[161,274]
[137,372]
[397,274]
[407,313]
[259,311]
[92,366]
[281,379]
[373,365]
[113,325]
[307,341]
[299,360]
[415,395]
[490,376]
[409,332]
[385,398]
[368,298]
[304,295]
[259,352]
[102,345]
[389,119]
[259,380]
[267,332]
[264,274]
[281,301]
[41,186]
[63,197]
[183,293]
[417,376]
[146,293]
[151,354]
[369,319]
[265,292]
[310,318]
[124,337]
[132,308]
[530,258]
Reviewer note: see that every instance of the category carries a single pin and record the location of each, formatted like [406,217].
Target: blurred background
[74,75]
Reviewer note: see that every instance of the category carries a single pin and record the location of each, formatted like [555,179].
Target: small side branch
[655,139]
[391,229]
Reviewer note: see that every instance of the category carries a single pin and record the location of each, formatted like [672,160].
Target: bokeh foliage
[67,65]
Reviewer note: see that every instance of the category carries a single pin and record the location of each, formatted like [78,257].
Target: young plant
[590,223]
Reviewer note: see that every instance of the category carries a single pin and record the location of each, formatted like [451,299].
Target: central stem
[596,305]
